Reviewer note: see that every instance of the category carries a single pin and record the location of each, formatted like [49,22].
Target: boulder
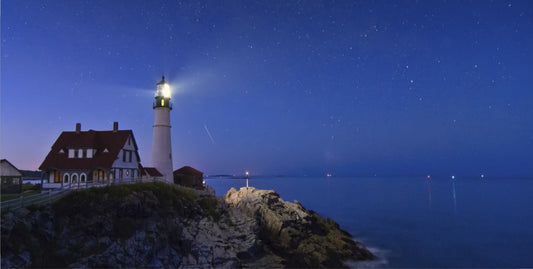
[300,237]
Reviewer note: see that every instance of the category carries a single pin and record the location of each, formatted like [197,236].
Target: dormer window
[106,150]
[78,153]
[61,151]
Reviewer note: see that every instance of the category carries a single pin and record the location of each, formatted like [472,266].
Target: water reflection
[454,197]
[428,185]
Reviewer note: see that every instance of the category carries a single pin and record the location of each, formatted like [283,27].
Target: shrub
[209,205]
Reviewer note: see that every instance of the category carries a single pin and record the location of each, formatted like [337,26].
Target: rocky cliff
[161,225]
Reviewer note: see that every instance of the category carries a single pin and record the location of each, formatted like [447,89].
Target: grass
[97,201]
[11,196]
[209,205]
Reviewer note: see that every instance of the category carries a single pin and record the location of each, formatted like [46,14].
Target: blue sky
[283,87]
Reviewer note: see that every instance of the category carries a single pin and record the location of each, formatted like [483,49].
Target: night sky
[279,87]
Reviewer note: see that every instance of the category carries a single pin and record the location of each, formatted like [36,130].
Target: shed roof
[151,171]
[187,170]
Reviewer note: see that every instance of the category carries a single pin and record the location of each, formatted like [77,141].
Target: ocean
[419,222]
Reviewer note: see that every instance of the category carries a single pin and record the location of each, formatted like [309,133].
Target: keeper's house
[78,158]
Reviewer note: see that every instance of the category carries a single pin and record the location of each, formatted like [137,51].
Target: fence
[35,199]
[53,195]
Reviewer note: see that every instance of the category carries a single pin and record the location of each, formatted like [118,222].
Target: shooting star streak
[209,134]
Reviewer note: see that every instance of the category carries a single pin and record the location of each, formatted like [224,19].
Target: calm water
[415,222]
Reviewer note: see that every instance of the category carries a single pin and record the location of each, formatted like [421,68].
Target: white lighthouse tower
[161,146]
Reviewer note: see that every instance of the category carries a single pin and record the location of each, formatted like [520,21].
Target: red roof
[149,171]
[153,172]
[107,144]
[187,170]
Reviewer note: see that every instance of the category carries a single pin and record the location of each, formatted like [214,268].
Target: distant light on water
[482,176]
[429,176]
[453,177]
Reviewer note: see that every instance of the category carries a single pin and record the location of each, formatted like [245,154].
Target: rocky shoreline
[161,225]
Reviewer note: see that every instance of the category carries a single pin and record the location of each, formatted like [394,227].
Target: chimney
[78,128]
[115,127]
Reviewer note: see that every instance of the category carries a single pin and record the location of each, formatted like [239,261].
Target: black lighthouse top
[162,81]
[162,95]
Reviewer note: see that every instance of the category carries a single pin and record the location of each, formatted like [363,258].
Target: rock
[161,225]
[300,237]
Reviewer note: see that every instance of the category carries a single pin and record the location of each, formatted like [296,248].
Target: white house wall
[126,165]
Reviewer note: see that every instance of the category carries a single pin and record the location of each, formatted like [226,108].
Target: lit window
[57,177]
[162,102]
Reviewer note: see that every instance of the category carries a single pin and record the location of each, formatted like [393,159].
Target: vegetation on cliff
[162,225]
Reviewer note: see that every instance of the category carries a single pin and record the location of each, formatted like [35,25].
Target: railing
[35,199]
[55,191]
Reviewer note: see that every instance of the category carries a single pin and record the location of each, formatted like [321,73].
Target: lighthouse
[161,146]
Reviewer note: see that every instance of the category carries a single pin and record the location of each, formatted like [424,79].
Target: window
[84,153]
[76,153]
[16,180]
[127,172]
[65,178]
[83,178]
[162,102]
[57,176]
[100,174]
[124,156]
[71,153]
[129,157]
